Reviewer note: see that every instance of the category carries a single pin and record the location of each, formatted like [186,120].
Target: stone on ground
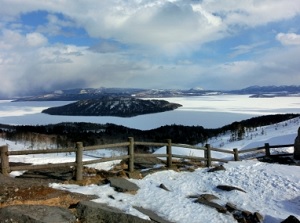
[217,168]
[152,215]
[36,214]
[229,188]
[122,185]
[218,207]
[162,186]
[90,212]
[291,219]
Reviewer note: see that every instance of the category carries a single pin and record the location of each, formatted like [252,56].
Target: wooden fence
[130,144]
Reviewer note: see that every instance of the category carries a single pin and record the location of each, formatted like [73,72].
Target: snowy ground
[271,189]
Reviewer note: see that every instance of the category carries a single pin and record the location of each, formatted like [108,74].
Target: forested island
[112,106]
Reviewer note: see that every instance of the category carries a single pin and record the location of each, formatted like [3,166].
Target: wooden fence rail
[130,144]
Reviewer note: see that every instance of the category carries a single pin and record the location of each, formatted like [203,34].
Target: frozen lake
[207,111]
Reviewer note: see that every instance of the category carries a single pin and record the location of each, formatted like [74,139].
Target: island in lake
[112,106]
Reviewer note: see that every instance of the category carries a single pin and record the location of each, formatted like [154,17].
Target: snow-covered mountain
[93,93]
[270,91]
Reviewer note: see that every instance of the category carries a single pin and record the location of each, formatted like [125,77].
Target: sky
[175,44]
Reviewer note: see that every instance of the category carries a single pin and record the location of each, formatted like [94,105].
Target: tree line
[68,133]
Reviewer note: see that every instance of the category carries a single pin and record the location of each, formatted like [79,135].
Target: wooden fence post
[79,165]
[208,155]
[236,154]
[4,160]
[131,154]
[169,153]
[267,147]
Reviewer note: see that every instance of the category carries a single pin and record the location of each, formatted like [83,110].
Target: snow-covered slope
[282,133]
[271,189]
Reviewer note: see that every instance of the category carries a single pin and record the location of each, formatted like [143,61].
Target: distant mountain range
[112,106]
[269,91]
[94,93]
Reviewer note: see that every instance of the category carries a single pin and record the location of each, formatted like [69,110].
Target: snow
[278,134]
[273,190]
[208,111]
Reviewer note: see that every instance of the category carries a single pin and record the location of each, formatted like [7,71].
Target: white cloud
[10,39]
[159,23]
[252,12]
[288,38]
[276,67]
[140,38]
[244,49]
[36,39]
[155,23]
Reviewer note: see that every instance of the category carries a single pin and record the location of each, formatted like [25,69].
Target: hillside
[68,133]
[112,106]
[269,189]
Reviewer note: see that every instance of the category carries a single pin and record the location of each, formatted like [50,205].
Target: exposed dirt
[36,190]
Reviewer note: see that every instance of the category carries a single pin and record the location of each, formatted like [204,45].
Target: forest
[66,134]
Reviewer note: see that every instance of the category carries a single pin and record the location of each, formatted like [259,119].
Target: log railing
[130,144]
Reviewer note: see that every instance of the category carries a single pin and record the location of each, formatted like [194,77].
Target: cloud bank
[45,45]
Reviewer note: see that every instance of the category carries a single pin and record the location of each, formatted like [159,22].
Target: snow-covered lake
[207,111]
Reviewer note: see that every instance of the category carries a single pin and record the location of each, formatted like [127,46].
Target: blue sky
[213,44]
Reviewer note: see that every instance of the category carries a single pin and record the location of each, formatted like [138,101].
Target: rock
[242,220]
[111,197]
[36,214]
[219,208]
[258,217]
[291,219]
[152,215]
[231,207]
[247,216]
[193,196]
[229,188]
[218,168]
[147,162]
[244,215]
[122,185]
[162,186]
[90,212]
[208,197]
[297,146]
